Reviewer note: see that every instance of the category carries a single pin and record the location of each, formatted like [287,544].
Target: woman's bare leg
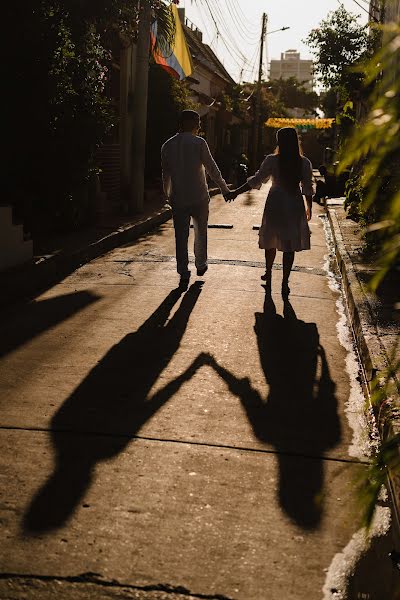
[269,261]
[288,258]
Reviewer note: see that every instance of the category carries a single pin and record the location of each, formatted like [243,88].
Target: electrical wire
[234,56]
[252,64]
[230,46]
[364,9]
[222,23]
[223,26]
[242,16]
[241,26]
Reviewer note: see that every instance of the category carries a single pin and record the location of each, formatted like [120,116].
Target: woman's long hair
[289,156]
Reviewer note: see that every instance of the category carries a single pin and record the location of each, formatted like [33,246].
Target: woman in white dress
[284,224]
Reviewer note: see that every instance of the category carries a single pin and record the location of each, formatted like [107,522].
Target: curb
[373,355]
[31,279]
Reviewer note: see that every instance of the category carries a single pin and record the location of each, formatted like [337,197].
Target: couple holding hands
[186,158]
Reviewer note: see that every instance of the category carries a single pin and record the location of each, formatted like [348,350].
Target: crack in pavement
[187,442]
[218,261]
[97,579]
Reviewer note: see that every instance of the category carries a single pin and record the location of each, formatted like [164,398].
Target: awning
[277,123]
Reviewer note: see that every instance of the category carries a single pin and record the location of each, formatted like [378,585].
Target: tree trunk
[140,108]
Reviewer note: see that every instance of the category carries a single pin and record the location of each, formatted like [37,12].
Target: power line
[242,16]
[252,64]
[223,24]
[249,40]
[364,9]
[234,56]
[231,47]
[238,22]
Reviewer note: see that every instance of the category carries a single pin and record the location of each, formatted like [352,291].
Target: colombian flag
[177,61]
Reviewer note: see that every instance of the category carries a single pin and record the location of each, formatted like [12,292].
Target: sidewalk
[374,317]
[161,443]
[59,255]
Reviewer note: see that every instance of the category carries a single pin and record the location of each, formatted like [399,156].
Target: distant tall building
[291,65]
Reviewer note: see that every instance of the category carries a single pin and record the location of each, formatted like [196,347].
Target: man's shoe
[202,270]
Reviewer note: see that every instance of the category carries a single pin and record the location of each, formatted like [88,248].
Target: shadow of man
[299,417]
[109,408]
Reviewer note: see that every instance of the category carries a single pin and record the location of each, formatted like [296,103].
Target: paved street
[174,444]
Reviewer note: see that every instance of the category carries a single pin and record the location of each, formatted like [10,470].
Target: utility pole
[140,108]
[256,123]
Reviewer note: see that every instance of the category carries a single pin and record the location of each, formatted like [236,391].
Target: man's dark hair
[188,117]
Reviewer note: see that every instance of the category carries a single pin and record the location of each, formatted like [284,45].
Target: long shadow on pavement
[299,417]
[31,319]
[108,409]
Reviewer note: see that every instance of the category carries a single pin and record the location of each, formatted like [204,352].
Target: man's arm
[166,174]
[212,168]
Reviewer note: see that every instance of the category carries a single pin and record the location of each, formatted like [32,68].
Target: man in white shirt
[185,159]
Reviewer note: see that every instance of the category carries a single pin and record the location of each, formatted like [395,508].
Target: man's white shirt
[185,159]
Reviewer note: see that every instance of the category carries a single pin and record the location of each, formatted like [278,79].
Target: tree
[338,43]
[58,107]
[375,145]
[294,95]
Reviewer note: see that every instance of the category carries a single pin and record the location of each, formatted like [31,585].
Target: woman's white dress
[284,224]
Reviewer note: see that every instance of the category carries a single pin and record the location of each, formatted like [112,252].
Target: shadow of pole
[108,409]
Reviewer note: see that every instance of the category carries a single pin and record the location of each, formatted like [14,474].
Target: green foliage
[59,108]
[377,142]
[292,94]
[337,44]
[386,460]
[354,197]
[373,151]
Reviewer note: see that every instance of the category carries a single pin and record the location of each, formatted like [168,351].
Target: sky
[238,23]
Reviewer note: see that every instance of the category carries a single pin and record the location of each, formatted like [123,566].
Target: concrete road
[165,444]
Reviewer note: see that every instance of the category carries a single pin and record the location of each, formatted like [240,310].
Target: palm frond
[166,28]
[376,141]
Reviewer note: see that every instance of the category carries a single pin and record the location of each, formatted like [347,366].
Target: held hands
[231,196]
[308,213]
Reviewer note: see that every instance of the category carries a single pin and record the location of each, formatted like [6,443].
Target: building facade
[291,65]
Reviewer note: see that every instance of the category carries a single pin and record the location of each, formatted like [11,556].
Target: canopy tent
[277,123]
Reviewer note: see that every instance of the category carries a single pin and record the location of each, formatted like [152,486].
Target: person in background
[325,188]
[284,224]
[185,160]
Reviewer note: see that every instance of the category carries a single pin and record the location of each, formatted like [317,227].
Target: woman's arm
[309,207]
[240,190]
[255,182]
[307,184]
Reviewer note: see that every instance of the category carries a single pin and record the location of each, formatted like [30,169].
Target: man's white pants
[181,216]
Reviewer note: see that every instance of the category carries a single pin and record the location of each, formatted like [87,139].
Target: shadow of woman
[108,409]
[299,417]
